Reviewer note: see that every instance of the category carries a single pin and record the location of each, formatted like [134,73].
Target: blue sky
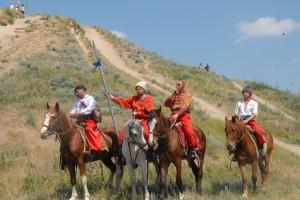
[249,40]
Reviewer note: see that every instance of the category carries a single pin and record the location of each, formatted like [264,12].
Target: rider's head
[80,91]
[247,91]
[141,88]
[180,84]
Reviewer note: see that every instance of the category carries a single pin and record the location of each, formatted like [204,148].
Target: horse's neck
[244,134]
[165,126]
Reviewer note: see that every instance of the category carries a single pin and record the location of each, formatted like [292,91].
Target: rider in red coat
[138,104]
[179,103]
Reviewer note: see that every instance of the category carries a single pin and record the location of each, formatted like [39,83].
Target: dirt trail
[108,51]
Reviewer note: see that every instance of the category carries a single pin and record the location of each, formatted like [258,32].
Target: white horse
[134,147]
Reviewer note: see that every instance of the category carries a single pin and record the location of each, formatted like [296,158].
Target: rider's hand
[76,114]
[109,95]
[136,113]
[174,117]
[245,121]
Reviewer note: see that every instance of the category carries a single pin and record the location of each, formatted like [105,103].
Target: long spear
[98,64]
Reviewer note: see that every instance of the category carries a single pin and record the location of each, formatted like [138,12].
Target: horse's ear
[159,109]
[48,106]
[233,119]
[57,107]
[146,111]
[226,118]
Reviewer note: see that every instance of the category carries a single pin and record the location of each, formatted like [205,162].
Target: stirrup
[193,153]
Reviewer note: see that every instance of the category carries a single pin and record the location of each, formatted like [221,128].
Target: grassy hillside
[29,166]
[216,89]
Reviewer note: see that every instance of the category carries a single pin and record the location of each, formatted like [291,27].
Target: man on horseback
[247,110]
[139,103]
[82,110]
[179,103]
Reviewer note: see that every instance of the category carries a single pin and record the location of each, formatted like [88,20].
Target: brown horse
[71,147]
[167,146]
[245,152]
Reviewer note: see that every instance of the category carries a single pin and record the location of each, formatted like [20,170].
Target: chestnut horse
[245,152]
[71,147]
[167,146]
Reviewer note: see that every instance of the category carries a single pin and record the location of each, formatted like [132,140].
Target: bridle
[131,139]
[53,131]
[238,130]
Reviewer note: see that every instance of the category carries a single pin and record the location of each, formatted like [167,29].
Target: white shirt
[243,108]
[84,106]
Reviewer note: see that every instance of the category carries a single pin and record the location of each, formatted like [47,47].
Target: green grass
[52,74]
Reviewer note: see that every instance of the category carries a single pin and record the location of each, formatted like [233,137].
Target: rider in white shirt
[247,110]
[82,109]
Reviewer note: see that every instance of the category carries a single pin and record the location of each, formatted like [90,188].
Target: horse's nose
[230,146]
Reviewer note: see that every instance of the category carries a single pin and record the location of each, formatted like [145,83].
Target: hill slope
[42,61]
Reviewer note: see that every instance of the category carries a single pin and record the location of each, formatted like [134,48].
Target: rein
[53,131]
[131,140]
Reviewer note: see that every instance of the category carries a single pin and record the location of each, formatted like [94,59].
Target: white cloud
[119,34]
[267,27]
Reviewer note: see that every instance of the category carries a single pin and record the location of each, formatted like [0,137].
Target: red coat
[138,106]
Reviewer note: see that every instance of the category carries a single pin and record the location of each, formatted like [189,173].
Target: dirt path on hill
[108,51]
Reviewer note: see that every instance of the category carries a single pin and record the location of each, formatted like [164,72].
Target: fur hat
[142,84]
[247,88]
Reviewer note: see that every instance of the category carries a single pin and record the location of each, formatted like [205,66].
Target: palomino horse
[71,147]
[168,147]
[245,152]
[134,148]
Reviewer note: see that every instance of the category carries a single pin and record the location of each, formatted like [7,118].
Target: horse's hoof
[263,188]
[181,196]
[245,196]
[73,198]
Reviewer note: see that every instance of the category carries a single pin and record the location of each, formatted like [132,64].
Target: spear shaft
[98,65]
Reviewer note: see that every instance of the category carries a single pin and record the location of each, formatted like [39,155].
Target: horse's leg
[71,169]
[155,163]
[119,172]
[178,166]
[244,179]
[163,189]
[132,178]
[254,173]
[144,172]
[112,168]
[81,165]
[265,172]
[198,172]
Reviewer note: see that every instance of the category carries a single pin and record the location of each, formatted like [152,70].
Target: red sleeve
[148,105]
[123,102]
[168,102]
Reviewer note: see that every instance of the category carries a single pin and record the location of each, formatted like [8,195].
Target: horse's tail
[201,138]
[114,138]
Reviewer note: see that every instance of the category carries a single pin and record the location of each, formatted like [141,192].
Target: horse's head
[154,121]
[134,132]
[233,132]
[51,123]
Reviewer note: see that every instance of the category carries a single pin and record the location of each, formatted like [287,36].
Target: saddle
[252,135]
[181,136]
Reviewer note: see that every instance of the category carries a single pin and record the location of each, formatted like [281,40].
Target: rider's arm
[123,102]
